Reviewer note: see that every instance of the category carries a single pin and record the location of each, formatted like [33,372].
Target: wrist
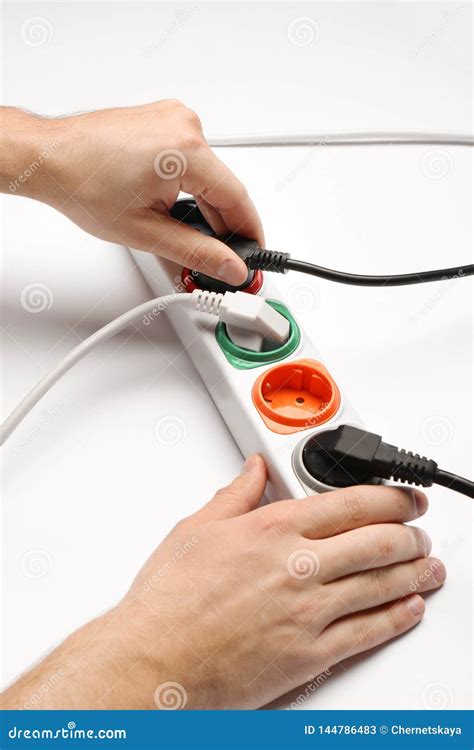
[106,663]
[31,147]
[102,665]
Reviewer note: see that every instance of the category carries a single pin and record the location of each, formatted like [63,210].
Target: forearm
[100,666]
[28,153]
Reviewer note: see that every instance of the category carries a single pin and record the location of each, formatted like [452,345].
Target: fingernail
[232,271]
[421,502]
[439,570]
[416,605]
[427,544]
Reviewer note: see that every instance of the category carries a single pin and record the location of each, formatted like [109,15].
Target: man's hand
[239,603]
[117,172]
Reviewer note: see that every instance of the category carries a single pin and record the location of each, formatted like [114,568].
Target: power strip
[234,386]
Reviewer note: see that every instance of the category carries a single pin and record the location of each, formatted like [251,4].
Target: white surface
[85,479]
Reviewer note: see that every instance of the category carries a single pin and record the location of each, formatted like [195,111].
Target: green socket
[244,359]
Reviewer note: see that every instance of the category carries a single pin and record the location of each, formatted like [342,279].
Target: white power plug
[252,323]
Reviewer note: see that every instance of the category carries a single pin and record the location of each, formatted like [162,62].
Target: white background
[88,490]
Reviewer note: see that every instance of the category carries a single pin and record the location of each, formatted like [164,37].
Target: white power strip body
[231,388]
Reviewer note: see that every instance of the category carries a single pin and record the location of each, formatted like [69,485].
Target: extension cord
[231,388]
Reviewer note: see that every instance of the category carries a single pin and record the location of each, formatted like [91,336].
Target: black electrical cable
[261,259]
[349,455]
[365,280]
[454,482]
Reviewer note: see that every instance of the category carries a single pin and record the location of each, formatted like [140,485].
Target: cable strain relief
[413,469]
[268,260]
[206,302]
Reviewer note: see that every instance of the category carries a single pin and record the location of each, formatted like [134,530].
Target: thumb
[241,495]
[176,241]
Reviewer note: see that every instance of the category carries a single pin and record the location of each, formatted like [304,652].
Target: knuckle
[394,619]
[420,539]
[384,546]
[229,494]
[173,103]
[193,118]
[353,505]
[197,254]
[380,584]
[190,140]
[362,634]
[240,193]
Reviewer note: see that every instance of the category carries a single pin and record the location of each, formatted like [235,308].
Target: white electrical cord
[208,302]
[243,311]
[344,139]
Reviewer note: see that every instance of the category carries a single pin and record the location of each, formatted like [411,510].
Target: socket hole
[300,400]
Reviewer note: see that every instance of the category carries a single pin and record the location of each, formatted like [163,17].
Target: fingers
[210,180]
[363,631]
[382,585]
[176,241]
[331,513]
[371,547]
[212,216]
[241,495]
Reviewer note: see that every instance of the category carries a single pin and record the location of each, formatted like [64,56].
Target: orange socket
[296,396]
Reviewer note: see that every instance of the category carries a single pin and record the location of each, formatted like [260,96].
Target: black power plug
[349,455]
[188,212]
